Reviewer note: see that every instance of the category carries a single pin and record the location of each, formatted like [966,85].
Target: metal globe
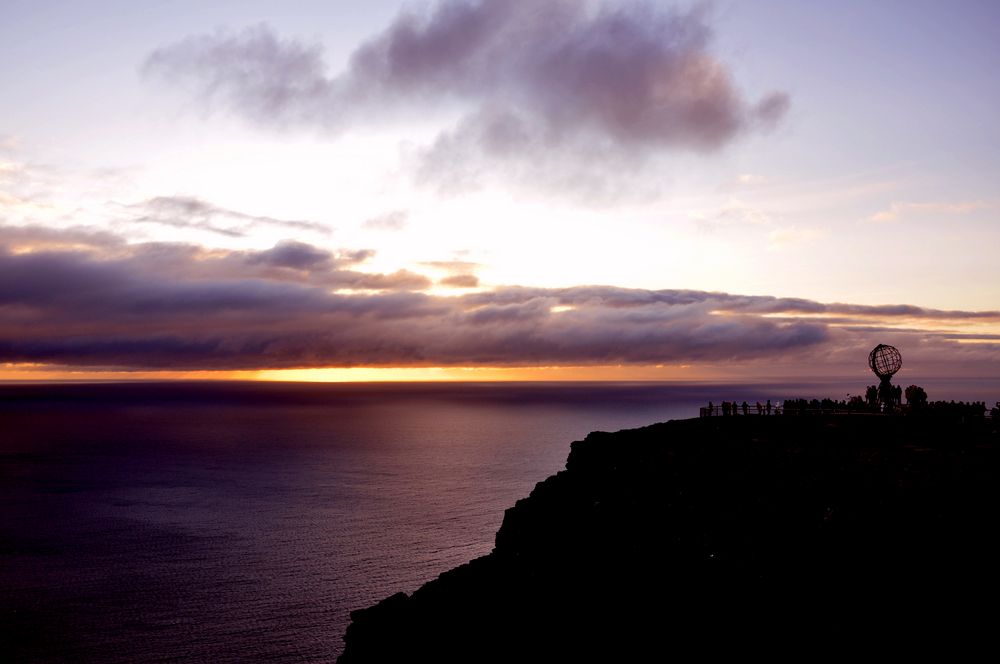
[885,361]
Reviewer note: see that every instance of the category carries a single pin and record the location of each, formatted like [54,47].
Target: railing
[717,411]
[752,411]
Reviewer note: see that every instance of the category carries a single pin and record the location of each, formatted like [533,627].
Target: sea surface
[238,522]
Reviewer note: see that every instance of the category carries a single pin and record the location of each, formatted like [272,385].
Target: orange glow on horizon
[44,373]
[492,374]
[49,373]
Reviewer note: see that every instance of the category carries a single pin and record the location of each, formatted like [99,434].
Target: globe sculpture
[885,361]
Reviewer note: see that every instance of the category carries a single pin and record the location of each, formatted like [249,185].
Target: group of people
[733,408]
[961,408]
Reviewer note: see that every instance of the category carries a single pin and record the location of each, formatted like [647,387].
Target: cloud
[194,213]
[615,297]
[770,110]
[253,73]
[7,200]
[20,239]
[8,169]
[300,256]
[901,209]
[288,261]
[460,281]
[389,221]
[109,304]
[460,274]
[26,190]
[453,266]
[584,85]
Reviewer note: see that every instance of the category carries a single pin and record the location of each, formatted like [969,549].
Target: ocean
[236,522]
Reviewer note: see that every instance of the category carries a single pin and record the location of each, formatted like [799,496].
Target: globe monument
[885,361]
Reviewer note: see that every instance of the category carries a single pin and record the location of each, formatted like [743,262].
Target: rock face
[724,536]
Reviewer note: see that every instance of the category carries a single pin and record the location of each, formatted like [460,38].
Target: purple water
[243,522]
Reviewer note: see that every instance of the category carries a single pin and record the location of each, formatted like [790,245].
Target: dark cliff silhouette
[722,536]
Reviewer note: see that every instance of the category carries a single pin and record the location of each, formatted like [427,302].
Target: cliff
[723,535]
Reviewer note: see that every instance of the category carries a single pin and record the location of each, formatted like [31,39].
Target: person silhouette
[768,406]
[746,408]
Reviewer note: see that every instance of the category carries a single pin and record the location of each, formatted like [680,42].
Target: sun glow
[491,374]
[42,372]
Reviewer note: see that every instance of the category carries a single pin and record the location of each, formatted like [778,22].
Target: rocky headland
[783,534]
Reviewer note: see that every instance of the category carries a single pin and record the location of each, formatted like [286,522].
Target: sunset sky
[498,189]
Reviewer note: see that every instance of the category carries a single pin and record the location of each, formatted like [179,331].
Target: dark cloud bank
[90,300]
[554,88]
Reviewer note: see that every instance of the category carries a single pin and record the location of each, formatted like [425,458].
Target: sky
[498,189]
